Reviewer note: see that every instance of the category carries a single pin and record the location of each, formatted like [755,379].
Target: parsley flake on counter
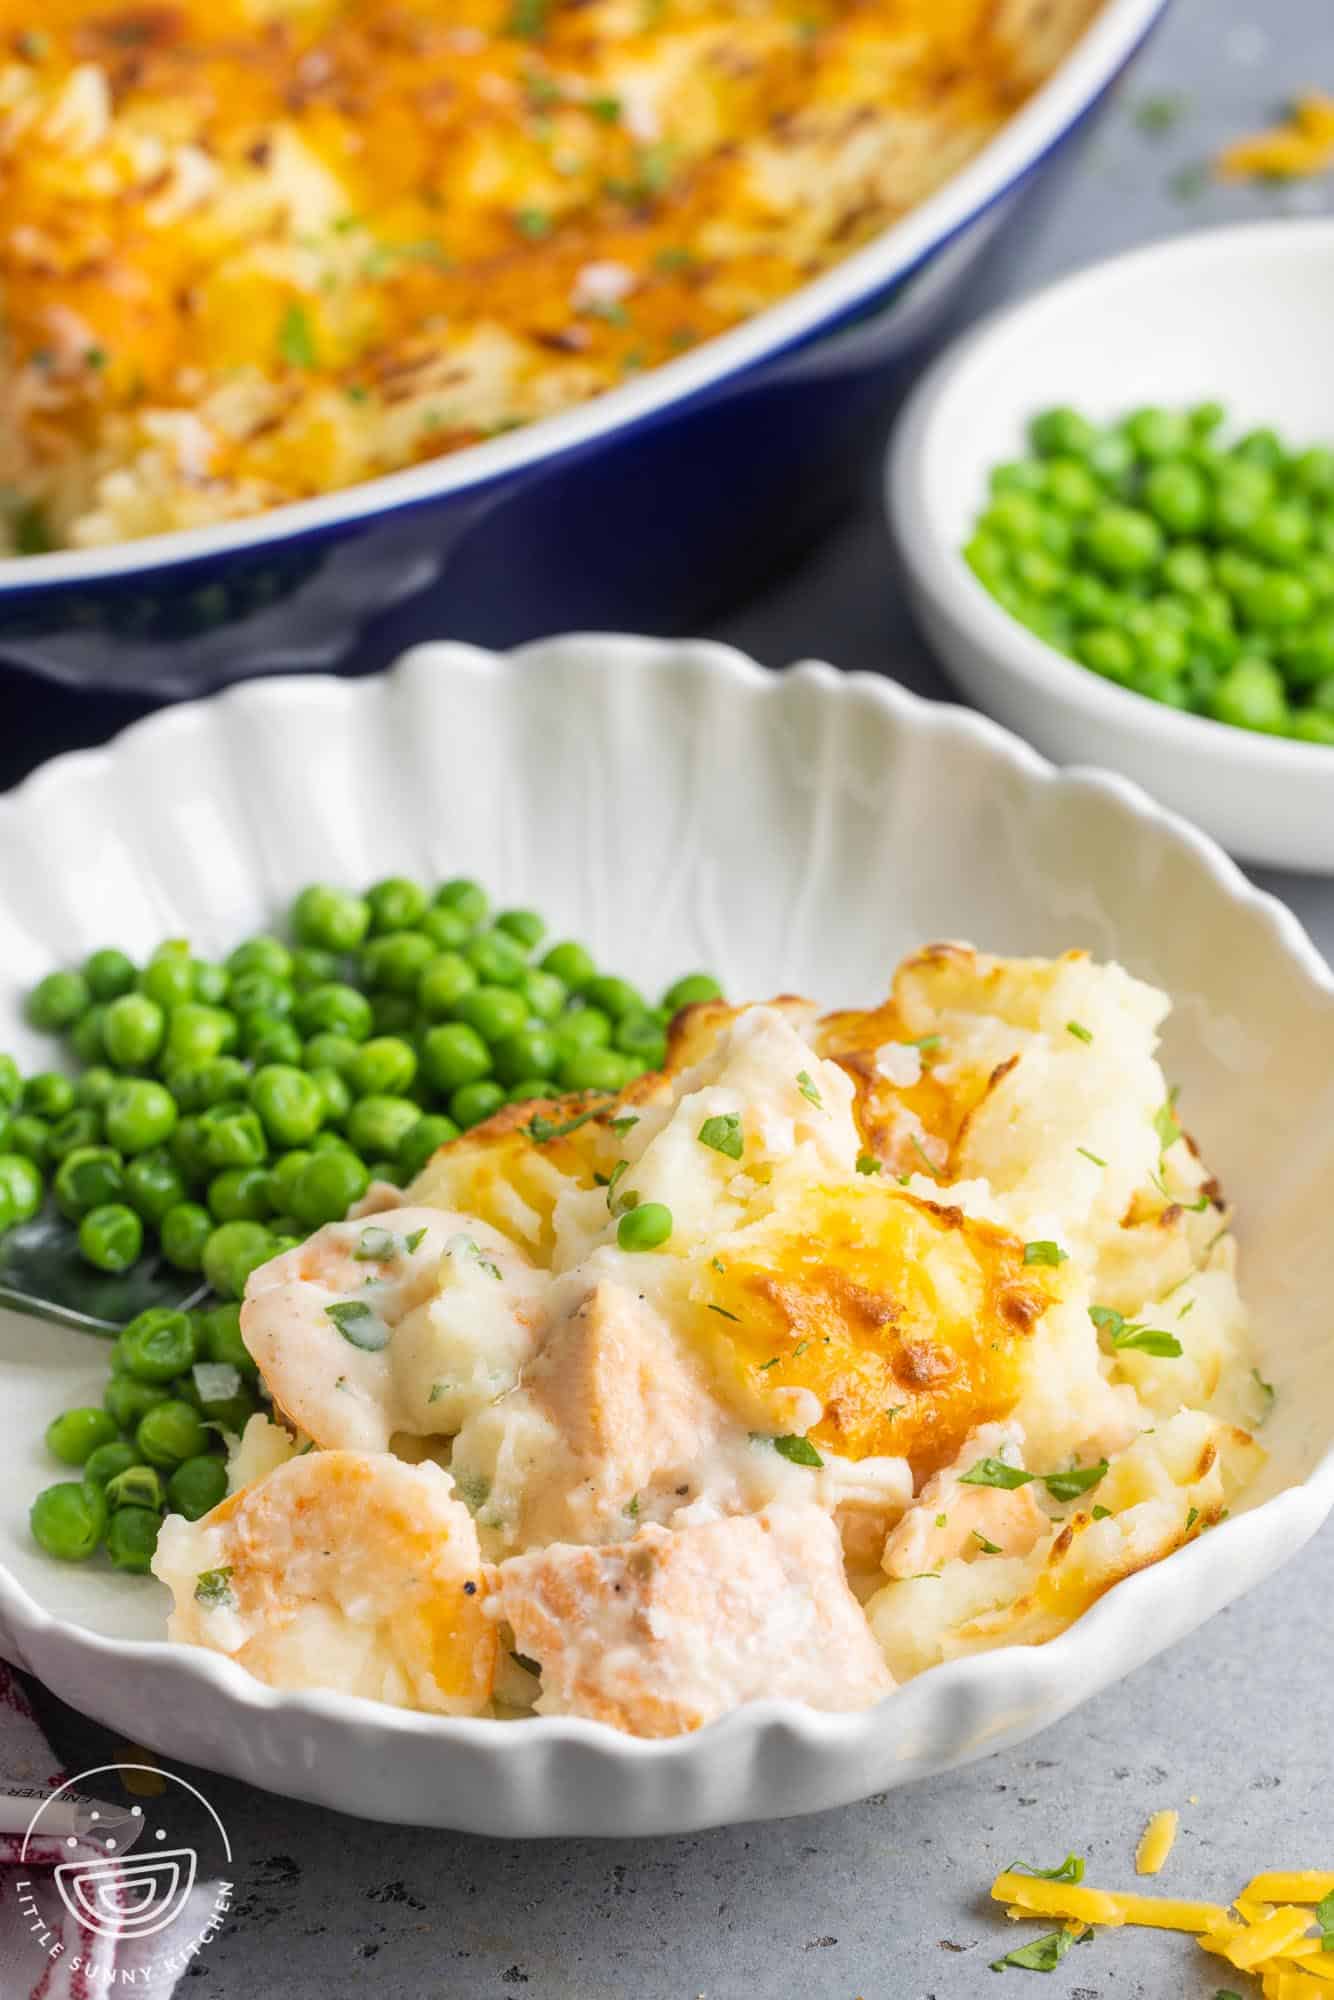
[1069,1870]
[1043,1955]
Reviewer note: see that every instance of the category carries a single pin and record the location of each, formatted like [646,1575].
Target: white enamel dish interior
[672,805]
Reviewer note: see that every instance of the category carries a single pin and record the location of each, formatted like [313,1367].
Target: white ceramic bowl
[672,804]
[1242,314]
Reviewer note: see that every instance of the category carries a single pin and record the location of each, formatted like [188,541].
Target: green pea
[335,1094]
[1260,447]
[1241,496]
[1276,602]
[334,1052]
[11,1083]
[466,898]
[187,1150]
[542,993]
[313,967]
[596,1069]
[168,980]
[396,904]
[131,1538]
[1158,434]
[78,1128]
[1123,541]
[196,1034]
[496,1012]
[532,1052]
[421,1141]
[111,1237]
[1283,532]
[443,983]
[57,1001]
[1251,696]
[154,1184]
[377,1125]
[196,1487]
[1017,475]
[239,1194]
[289,1101]
[89,1178]
[1311,725]
[232,1136]
[1178,497]
[393,1014]
[127,1400]
[330,919]
[526,927]
[76,1434]
[395,961]
[384,1066]
[527,1088]
[385,1170]
[583,1028]
[132,1031]
[496,958]
[335,1009]
[270,1039]
[28,1134]
[1061,433]
[93,1087]
[184,1231]
[220,1331]
[232,1252]
[209,982]
[571,964]
[48,1095]
[445,928]
[691,991]
[170,1432]
[69,1520]
[454,1054]
[139,1114]
[138,1486]
[103,1464]
[21,1188]
[108,974]
[1312,472]
[85,1037]
[327,1187]
[283,1175]
[473,1102]
[263,954]
[641,1035]
[197,1085]
[644,1227]
[330,1142]
[259,992]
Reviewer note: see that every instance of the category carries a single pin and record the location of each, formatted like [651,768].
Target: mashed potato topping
[253,250]
[944,1339]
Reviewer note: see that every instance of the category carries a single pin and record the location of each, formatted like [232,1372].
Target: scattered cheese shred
[1258,1943]
[1299,1885]
[1156,1842]
[1303,144]
[1112,1907]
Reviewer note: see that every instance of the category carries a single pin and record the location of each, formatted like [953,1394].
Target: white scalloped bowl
[674,804]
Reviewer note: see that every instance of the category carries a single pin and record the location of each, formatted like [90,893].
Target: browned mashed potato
[254,250]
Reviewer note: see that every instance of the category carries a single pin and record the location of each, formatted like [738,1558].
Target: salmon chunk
[664,1633]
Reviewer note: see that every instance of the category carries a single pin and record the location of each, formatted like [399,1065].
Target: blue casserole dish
[640,510]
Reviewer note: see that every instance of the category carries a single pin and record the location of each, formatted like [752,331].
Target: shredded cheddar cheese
[1156,1842]
[1258,1942]
[1302,1885]
[1303,144]
[1106,1906]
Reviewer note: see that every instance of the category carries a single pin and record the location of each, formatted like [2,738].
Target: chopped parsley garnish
[674,258]
[717,1264]
[621,1168]
[534,223]
[413,1242]
[800,1348]
[1079,1031]
[1165,1122]
[1069,1870]
[528,19]
[1101,1513]
[1125,1333]
[1191,1518]
[1267,1390]
[1044,1252]
[723,1313]
[995,1472]
[925,1042]
[296,342]
[807,1088]
[867,1163]
[926,1159]
[632,1507]
[723,1134]
[375,1246]
[798,1450]
[987,1548]
[213,1588]
[622,1125]
[608,109]
[941,1520]
[1043,1955]
[1096,1158]
[1078,1480]
[1175,1201]
[359,1325]
[540,1129]
[765,1366]
[1324,1916]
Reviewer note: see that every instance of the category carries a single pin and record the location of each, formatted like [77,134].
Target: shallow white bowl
[673,805]
[1242,314]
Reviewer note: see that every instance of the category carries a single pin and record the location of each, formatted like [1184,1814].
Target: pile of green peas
[226,1110]
[178,1382]
[1197,573]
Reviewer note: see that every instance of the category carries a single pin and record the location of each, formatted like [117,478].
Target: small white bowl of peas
[1114,504]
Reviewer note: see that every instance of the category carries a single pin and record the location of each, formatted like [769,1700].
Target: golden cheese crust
[257,249]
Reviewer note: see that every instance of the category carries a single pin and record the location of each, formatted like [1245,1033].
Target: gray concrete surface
[883,1901]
